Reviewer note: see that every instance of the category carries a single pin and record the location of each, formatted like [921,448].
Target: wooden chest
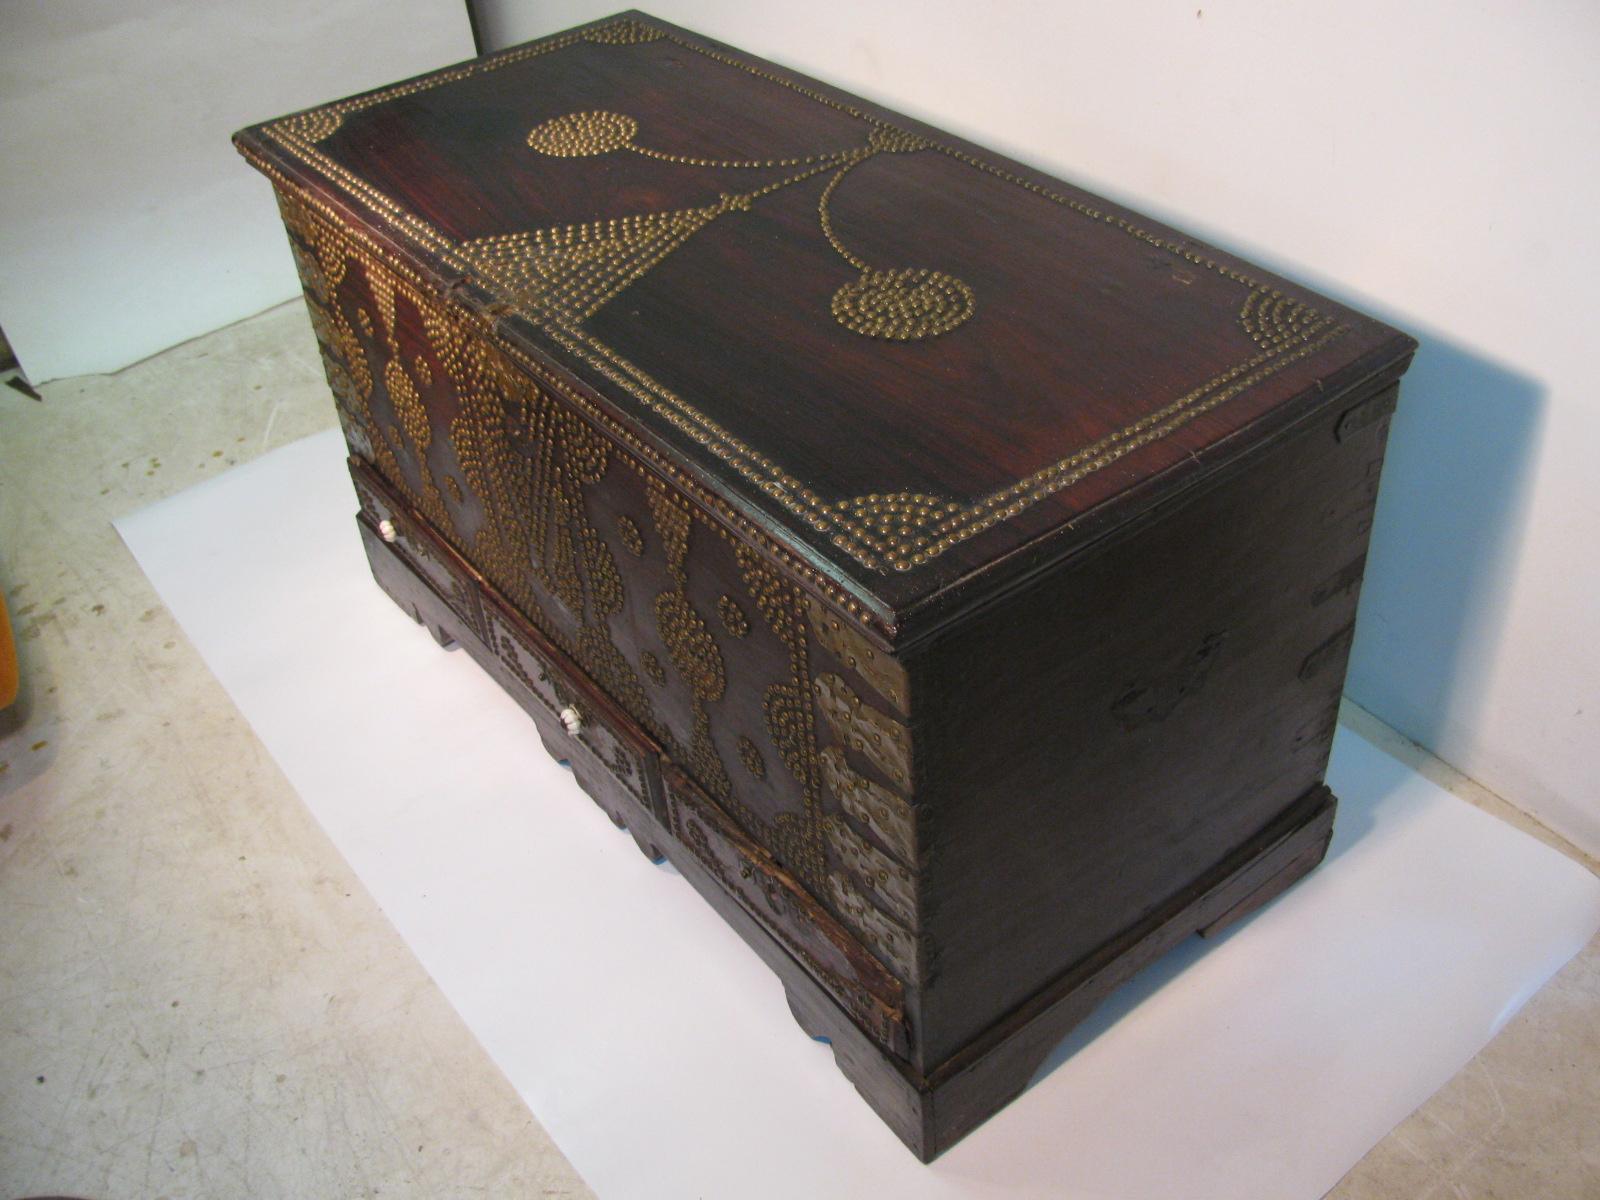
[950,572]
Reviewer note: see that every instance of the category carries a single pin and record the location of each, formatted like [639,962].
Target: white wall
[127,222]
[1435,163]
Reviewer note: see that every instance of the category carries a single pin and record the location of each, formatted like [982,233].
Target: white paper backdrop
[658,1051]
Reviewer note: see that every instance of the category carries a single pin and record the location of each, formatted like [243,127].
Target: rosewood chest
[951,572]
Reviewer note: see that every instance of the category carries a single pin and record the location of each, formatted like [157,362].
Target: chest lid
[925,369]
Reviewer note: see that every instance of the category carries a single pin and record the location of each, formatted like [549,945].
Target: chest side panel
[1098,744]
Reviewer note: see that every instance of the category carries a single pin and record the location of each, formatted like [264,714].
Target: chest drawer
[777,901]
[616,762]
[413,543]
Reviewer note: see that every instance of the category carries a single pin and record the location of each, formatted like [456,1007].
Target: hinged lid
[927,369]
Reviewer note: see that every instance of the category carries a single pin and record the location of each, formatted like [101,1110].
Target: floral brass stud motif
[896,304]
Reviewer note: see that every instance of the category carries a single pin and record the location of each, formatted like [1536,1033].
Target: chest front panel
[785,717]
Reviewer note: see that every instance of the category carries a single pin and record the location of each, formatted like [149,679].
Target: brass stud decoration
[582,134]
[903,306]
[733,618]
[750,755]
[630,537]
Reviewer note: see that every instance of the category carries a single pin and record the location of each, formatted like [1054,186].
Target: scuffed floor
[198,999]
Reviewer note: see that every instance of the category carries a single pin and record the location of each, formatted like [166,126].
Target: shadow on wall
[1443,556]
[1451,512]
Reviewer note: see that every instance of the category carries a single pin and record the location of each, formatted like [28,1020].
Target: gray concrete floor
[197,996]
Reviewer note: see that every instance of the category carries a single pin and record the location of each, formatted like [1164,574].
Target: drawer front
[783,908]
[579,723]
[616,763]
[408,537]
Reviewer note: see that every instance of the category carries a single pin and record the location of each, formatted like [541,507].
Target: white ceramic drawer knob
[386,530]
[572,720]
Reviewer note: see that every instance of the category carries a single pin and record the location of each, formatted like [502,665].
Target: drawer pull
[571,720]
[386,530]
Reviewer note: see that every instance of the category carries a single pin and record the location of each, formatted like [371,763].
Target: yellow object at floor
[8,659]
